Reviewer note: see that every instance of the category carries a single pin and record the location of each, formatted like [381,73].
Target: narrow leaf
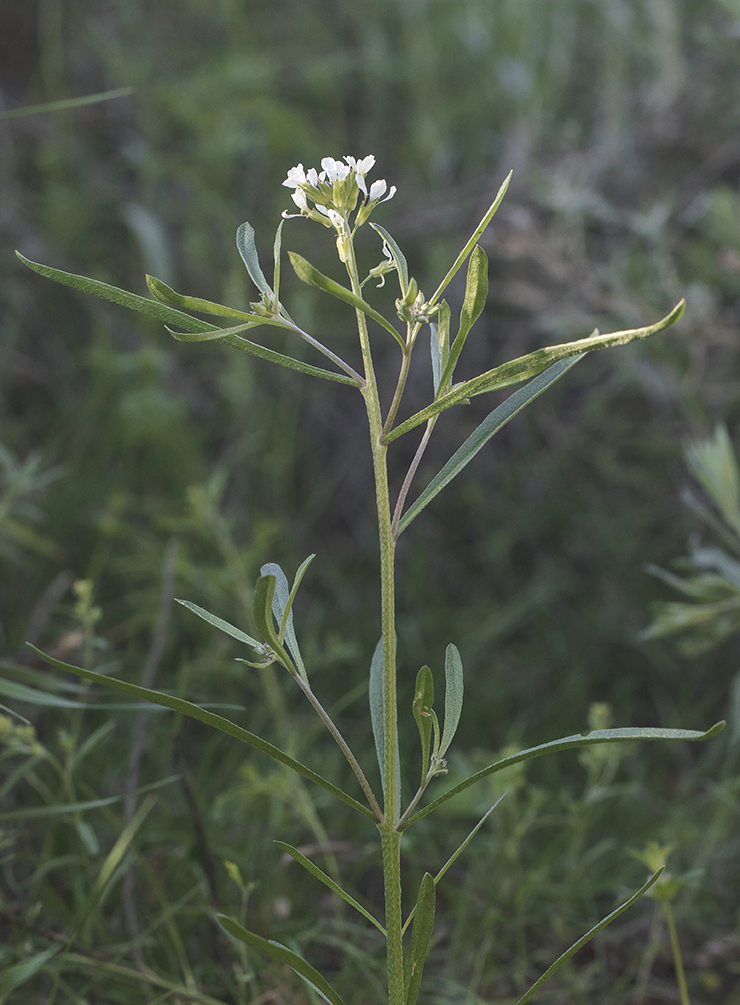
[530,365]
[63,809]
[480,436]
[302,568]
[399,259]
[166,295]
[589,935]
[317,873]
[276,252]
[210,719]
[285,955]
[230,336]
[570,743]
[12,977]
[476,293]
[264,593]
[312,277]
[248,251]
[376,693]
[154,309]
[280,608]
[223,626]
[477,233]
[119,849]
[421,935]
[453,697]
[434,348]
[422,709]
[67,103]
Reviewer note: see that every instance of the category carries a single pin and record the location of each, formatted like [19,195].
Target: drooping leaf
[475,237]
[399,259]
[422,709]
[570,743]
[376,693]
[210,719]
[421,934]
[167,295]
[223,626]
[262,610]
[312,277]
[476,293]
[517,370]
[495,421]
[282,609]
[248,250]
[279,952]
[589,935]
[453,697]
[317,873]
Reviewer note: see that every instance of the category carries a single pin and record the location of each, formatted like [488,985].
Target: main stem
[389,836]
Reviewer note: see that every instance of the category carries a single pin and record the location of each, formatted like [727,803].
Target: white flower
[299,198]
[335,170]
[296,177]
[333,191]
[313,178]
[361,167]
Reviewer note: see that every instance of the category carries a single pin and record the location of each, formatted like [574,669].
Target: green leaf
[422,709]
[476,293]
[589,935]
[376,692]
[67,103]
[480,436]
[317,873]
[210,719]
[312,277]
[166,295]
[143,305]
[399,259]
[530,365]
[12,977]
[32,696]
[63,809]
[420,938]
[231,337]
[440,343]
[453,696]
[248,251]
[713,463]
[278,952]
[223,626]
[476,235]
[282,605]
[287,613]
[276,251]
[264,593]
[570,743]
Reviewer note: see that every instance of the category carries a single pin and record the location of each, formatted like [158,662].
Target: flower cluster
[334,191]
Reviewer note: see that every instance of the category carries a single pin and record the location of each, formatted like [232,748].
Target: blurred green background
[621,121]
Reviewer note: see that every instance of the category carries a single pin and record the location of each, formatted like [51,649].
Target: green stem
[390,838]
[677,959]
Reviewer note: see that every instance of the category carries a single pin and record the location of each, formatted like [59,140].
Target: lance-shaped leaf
[231,337]
[376,693]
[422,708]
[629,735]
[517,370]
[12,977]
[248,251]
[262,610]
[279,952]
[476,293]
[495,421]
[475,237]
[399,259]
[453,697]
[223,626]
[312,277]
[421,934]
[166,295]
[282,608]
[439,343]
[152,308]
[317,873]
[210,719]
[589,935]
[276,252]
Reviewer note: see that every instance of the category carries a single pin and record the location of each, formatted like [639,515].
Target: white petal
[322,209]
[299,198]
[365,164]
[342,171]
[361,183]
[313,178]
[296,177]
[390,194]
[330,166]
[378,188]
[352,162]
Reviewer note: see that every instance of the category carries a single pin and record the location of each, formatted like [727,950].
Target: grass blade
[317,873]
[12,977]
[570,743]
[312,277]
[278,952]
[210,719]
[60,809]
[480,436]
[421,935]
[68,103]
[588,936]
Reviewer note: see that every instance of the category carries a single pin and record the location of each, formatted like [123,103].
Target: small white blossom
[299,198]
[296,177]
[330,195]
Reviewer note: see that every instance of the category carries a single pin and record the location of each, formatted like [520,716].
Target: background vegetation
[129,461]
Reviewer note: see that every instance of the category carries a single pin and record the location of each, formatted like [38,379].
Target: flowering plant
[331,197]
